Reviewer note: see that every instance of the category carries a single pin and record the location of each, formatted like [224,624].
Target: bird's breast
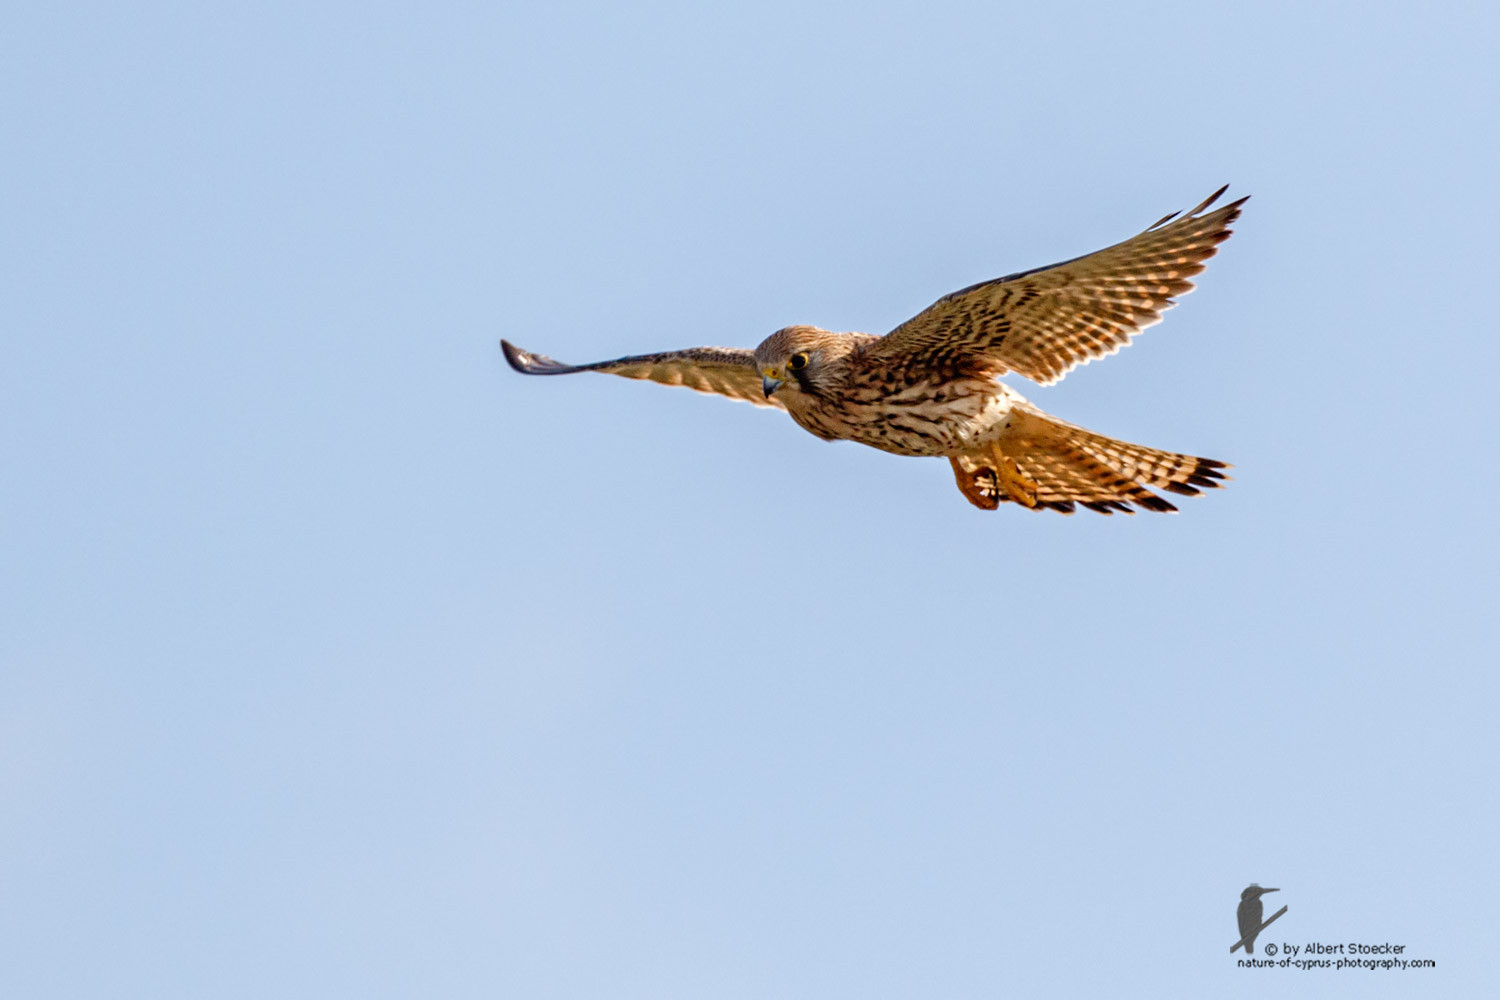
[916,418]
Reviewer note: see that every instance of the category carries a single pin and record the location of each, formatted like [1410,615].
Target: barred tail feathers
[1044,463]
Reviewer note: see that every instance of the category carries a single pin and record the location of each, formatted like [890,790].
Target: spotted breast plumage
[930,387]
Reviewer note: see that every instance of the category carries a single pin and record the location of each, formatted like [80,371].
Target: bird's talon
[1018,485]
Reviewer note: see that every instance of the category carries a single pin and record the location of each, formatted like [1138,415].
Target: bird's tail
[1044,463]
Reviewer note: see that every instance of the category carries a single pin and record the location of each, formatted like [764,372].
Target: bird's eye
[797,362]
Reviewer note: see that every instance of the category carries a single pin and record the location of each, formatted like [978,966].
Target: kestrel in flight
[930,386]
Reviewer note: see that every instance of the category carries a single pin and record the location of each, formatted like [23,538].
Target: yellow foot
[1017,485]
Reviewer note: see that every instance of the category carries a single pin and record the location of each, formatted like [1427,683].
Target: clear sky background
[338,660]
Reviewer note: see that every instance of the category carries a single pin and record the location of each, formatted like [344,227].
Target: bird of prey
[1249,913]
[930,386]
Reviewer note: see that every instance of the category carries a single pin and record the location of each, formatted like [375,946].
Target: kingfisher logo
[1279,953]
[1249,914]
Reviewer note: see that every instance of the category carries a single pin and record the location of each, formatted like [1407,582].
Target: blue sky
[338,660]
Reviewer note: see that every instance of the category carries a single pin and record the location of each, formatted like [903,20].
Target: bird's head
[1254,891]
[801,359]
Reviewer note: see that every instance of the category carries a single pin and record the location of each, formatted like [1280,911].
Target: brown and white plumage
[1060,466]
[724,371]
[929,386]
[1045,322]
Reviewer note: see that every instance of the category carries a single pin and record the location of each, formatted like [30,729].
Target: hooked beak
[769,385]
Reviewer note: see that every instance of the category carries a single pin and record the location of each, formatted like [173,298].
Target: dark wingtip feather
[517,358]
[1209,201]
[1209,469]
[533,364]
[1232,208]
[1163,221]
[1151,501]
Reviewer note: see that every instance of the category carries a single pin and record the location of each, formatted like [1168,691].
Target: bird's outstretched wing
[1045,322]
[727,371]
